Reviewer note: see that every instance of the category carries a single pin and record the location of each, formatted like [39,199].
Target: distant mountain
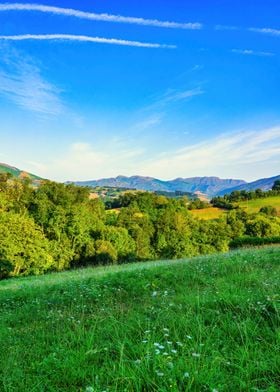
[264,183]
[15,172]
[206,185]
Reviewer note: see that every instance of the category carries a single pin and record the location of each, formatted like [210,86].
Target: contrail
[83,38]
[99,17]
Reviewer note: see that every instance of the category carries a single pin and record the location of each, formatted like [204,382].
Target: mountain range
[209,186]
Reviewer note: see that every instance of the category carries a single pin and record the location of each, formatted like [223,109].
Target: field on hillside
[208,213]
[255,205]
[206,324]
[250,206]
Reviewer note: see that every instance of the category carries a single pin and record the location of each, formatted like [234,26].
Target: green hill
[15,172]
[206,324]
[250,206]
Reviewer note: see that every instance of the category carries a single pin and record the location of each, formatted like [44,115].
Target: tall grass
[209,324]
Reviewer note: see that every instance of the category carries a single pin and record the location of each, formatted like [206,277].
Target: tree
[268,210]
[276,186]
[23,246]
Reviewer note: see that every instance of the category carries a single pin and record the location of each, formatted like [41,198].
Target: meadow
[253,206]
[209,323]
[250,206]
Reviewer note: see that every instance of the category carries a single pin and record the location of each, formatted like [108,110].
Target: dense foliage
[56,226]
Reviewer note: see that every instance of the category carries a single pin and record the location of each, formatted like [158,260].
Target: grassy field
[250,206]
[208,213]
[255,205]
[206,324]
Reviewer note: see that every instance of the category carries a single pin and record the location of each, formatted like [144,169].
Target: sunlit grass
[208,213]
[250,206]
[255,205]
[206,324]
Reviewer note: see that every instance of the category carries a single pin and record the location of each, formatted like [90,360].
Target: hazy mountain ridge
[264,184]
[210,186]
[207,185]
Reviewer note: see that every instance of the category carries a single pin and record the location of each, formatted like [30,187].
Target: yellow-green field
[208,213]
[250,206]
[255,205]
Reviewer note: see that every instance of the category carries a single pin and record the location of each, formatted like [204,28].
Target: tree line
[55,227]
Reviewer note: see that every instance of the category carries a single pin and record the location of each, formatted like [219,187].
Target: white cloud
[248,155]
[22,83]
[250,52]
[82,38]
[267,30]
[83,161]
[98,17]
[229,154]
[176,95]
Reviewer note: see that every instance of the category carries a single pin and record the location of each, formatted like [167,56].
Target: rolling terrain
[250,206]
[15,172]
[209,323]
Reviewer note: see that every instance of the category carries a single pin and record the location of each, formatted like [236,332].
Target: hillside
[206,324]
[15,172]
[206,185]
[264,183]
[250,206]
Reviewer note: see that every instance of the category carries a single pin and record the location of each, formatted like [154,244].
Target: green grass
[250,206]
[206,324]
[208,213]
[255,205]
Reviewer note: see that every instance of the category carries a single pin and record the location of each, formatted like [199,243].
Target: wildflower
[144,341]
[189,337]
[137,361]
[160,374]
[179,344]
[186,375]
[165,329]
[157,352]
[89,389]
[154,294]
[168,342]
[161,347]
[174,351]
[148,331]
[196,355]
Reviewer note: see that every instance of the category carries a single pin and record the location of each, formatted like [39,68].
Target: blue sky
[160,88]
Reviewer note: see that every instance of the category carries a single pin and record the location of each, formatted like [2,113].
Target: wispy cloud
[250,52]
[22,83]
[250,153]
[84,161]
[82,38]
[176,95]
[266,30]
[228,154]
[99,17]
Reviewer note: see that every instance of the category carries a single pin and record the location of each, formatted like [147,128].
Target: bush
[242,242]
